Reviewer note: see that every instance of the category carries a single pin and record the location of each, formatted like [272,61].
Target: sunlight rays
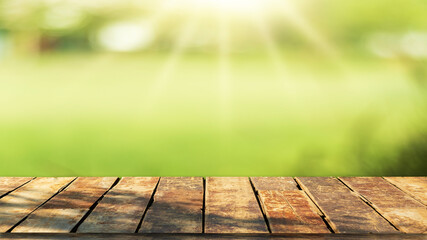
[270,44]
[224,81]
[165,73]
[260,21]
[295,17]
[288,11]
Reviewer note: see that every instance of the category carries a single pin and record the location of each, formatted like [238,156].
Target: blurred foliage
[206,87]
[347,24]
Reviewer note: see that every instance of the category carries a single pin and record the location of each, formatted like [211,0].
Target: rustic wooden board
[122,208]
[8,184]
[231,207]
[177,206]
[414,186]
[404,212]
[21,202]
[355,208]
[274,183]
[65,210]
[291,212]
[345,211]
[287,208]
[124,236]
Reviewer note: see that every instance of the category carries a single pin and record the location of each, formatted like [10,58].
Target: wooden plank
[130,236]
[414,186]
[21,202]
[177,206]
[404,212]
[65,210]
[121,209]
[8,184]
[344,211]
[274,183]
[287,208]
[291,212]
[231,207]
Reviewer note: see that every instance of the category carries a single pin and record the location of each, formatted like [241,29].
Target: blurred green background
[213,87]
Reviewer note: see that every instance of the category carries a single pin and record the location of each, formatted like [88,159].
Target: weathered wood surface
[18,204]
[404,212]
[345,211]
[414,186]
[222,208]
[232,207]
[122,208]
[289,236]
[291,212]
[66,209]
[274,183]
[177,207]
[8,184]
[287,208]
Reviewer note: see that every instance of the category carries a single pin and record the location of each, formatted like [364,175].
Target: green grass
[88,115]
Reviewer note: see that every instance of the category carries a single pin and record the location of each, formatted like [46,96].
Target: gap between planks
[150,202]
[369,203]
[204,205]
[322,215]
[122,208]
[261,206]
[42,204]
[287,208]
[13,189]
[405,190]
[62,212]
[344,209]
[93,206]
[401,210]
[177,207]
[232,207]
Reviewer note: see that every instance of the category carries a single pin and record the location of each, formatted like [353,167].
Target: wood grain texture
[177,206]
[355,208]
[121,209]
[65,210]
[291,212]
[287,208]
[21,202]
[174,236]
[231,207]
[345,211]
[414,186]
[8,184]
[404,212]
[274,183]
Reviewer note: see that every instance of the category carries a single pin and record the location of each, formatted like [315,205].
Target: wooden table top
[213,208]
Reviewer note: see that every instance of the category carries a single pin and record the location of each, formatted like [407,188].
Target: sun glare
[235,7]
